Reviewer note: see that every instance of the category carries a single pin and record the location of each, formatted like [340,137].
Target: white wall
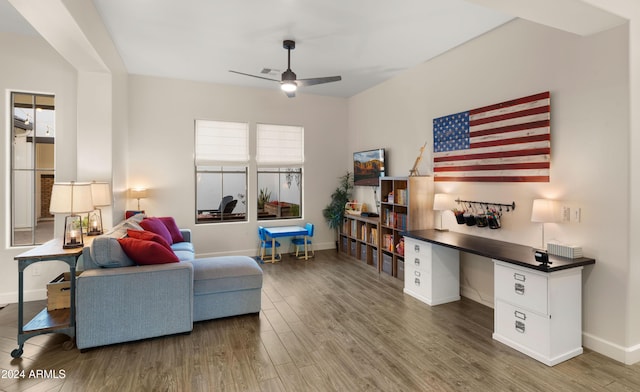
[161,143]
[29,64]
[588,79]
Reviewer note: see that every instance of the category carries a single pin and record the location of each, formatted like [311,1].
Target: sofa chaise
[118,300]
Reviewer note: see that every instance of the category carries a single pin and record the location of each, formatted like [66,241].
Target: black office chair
[228,208]
[223,204]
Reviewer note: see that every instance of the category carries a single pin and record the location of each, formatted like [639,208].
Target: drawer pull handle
[416,273]
[519,277]
[520,315]
[417,261]
[519,288]
[416,248]
[417,281]
[519,326]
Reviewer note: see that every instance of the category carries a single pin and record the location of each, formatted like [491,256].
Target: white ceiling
[364,41]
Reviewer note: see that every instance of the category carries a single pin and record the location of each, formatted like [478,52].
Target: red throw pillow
[147,252]
[155,225]
[174,230]
[148,236]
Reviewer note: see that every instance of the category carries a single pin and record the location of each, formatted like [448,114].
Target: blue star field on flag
[451,133]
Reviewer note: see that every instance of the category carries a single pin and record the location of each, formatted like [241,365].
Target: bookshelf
[359,238]
[406,204]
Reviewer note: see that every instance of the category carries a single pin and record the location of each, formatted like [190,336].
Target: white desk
[537,308]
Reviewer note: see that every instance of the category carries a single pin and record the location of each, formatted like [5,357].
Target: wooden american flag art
[505,142]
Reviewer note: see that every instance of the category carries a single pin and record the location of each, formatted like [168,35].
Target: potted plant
[334,212]
[263,197]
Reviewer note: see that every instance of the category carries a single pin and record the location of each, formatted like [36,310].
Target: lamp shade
[71,198]
[138,193]
[440,202]
[101,194]
[545,211]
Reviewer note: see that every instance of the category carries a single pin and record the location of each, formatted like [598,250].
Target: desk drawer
[416,248]
[417,262]
[522,288]
[523,327]
[417,282]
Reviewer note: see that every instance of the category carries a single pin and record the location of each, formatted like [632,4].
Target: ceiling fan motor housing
[289,75]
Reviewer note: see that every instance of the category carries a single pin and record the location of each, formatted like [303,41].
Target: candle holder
[94,224]
[73,232]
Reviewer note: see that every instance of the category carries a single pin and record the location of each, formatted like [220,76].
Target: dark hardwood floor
[327,324]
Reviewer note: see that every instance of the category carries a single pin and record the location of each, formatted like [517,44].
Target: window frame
[274,163]
[208,161]
[35,171]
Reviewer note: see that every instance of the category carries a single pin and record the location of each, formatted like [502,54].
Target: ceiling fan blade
[254,76]
[313,81]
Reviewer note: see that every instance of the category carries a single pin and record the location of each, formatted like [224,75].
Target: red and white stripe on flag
[508,142]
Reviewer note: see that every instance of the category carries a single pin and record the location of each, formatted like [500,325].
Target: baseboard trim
[626,355]
[29,295]
[254,252]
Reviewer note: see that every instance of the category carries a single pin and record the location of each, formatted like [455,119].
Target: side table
[59,320]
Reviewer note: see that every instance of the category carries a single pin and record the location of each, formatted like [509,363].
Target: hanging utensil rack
[487,205]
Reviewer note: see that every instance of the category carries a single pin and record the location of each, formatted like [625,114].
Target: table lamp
[101,196]
[440,203]
[71,198]
[545,211]
[138,193]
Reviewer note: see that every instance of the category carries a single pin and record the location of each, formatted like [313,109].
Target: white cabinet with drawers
[539,313]
[431,272]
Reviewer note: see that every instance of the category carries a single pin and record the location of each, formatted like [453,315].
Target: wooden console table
[59,320]
[537,308]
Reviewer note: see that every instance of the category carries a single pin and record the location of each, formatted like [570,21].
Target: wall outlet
[577,215]
[566,214]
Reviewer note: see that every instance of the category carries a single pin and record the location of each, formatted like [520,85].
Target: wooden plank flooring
[327,324]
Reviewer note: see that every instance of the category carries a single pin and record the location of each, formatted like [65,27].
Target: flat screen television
[368,167]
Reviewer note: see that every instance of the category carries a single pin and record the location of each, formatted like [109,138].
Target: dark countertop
[500,250]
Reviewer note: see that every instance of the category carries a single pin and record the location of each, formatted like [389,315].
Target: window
[32,167]
[221,162]
[280,158]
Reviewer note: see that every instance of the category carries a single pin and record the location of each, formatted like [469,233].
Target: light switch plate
[566,214]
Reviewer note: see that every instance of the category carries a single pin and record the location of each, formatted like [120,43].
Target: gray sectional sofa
[118,301]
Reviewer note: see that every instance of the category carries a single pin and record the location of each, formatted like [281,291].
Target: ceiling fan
[289,83]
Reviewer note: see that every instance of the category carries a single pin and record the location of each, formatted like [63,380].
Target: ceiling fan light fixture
[289,86]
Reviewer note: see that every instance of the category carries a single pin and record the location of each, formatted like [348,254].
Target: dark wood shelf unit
[359,238]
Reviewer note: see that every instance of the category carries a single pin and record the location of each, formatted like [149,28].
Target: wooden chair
[298,242]
[266,243]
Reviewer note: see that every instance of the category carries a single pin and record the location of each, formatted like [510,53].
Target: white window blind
[219,142]
[280,144]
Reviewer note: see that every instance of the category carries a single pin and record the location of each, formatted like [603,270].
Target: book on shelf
[401,196]
[387,242]
[401,221]
[374,236]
